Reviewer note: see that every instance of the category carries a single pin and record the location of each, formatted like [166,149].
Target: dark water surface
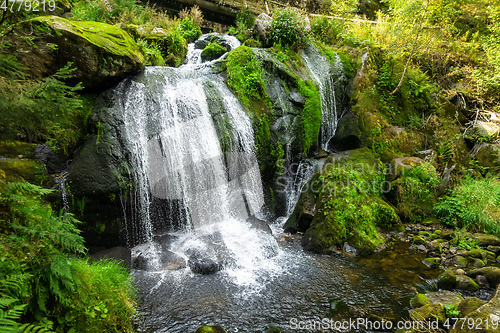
[284,290]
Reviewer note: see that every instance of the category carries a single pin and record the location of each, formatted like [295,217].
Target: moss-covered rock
[470,304]
[491,273]
[101,54]
[459,261]
[210,329]
[429,312]
[489,312]
[212,51]
[419,240]
[16,149]
[17,169]
[349,207]
[487,154]
[447,279]
[419,300]
[432,262]
[486,240]
[466,283]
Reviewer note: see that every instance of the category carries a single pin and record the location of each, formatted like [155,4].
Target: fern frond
[31,328]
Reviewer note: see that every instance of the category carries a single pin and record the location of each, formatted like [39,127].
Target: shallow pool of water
[290,287]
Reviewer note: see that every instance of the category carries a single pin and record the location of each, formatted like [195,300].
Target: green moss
[245,78]
[349,207]
[419,300]
[213,51]
[13,149]
[113,39]
[210,329]
[252,43]
[310,114]
[19,169]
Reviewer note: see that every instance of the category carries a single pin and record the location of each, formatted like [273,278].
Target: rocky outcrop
[101,54]
[346,209]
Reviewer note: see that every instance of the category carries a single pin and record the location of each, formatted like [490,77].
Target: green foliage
[288,28]
[152,53]
[473,205]
[327,30]
[451,311]
[416,192]
[190,31]
[101,303]
[45,109]
[40,274]
[468,244]
[213,51]
[310,114]
[245,19]
[173,46]
[350,202]
[244,76]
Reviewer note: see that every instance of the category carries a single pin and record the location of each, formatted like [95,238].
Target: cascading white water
[192,151]
[325,76]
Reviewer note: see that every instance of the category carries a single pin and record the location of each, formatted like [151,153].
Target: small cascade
[325,76]
[60,181]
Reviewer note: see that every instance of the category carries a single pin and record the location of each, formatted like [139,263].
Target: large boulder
[348,135]
[487,154]
[101,54]
[486,130]
[348,208]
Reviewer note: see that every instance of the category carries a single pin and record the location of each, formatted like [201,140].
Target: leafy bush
[173,47]
[473,205]
[288,28]
[40,274]
[190,31]
[326,30]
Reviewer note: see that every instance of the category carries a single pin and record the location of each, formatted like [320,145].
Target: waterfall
[325,76]
[192,151]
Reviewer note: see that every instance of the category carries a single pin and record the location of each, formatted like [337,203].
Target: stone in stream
[447,279]
[210,329]
[488,312]
[482,282]
[491,273]
[445,297]
[470,304]
[203,266]
[466,283]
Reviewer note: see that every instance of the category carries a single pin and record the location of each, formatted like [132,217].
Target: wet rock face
[202,265]
[101,54]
